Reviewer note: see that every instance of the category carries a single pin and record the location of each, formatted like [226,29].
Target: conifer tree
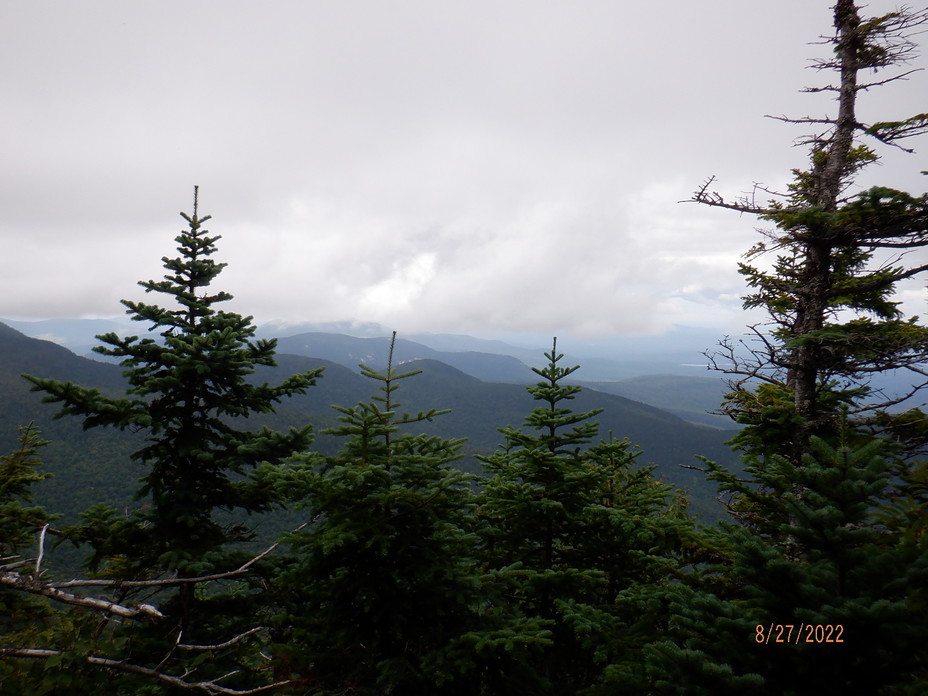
[818,542]
[379,589]
[22,617]
[189,394]
[839,258]
[19,517]
[822,599]
[575,525]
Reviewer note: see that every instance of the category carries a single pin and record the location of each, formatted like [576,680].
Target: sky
[476,167]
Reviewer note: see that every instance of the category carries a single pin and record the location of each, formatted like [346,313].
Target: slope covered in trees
[92,466]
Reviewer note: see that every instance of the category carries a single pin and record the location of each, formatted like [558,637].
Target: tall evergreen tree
[189,394]
[833,323]
[379,589]
[823,538]
[576,525]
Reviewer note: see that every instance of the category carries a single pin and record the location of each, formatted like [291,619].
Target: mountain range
[484,392]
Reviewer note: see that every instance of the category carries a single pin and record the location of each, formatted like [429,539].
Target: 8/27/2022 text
[799,633]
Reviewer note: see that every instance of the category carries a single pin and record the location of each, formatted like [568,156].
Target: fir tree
[379,589]
[188,394]
[570,526]
[817,542]
[823,599]
[833,322]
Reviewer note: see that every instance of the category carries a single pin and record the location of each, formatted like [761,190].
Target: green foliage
[23,618]
[187,392]
[809,552]
[580,525]
[19,520]
[379,593]
[906,509]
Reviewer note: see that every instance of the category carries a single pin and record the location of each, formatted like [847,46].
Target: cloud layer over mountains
[479,167]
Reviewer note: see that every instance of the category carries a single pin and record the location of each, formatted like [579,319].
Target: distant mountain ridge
[490,360]
[351,351]
[616,358]
[694,399]
[94,465]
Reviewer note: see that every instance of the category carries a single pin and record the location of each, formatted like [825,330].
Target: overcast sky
[481,167]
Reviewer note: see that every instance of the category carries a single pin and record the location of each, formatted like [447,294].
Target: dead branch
[34,585]
[804,119]
[891,400]
[170,582]
[38,561]
[219,646]
[210,687]
[53,590]
[713,198]
[879,83]
[14,565]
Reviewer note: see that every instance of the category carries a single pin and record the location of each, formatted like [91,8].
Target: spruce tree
[23,618]
[822,599]
[20,518]
[379,589]
[571,525]
[189,394]
[824,531]
[839,259]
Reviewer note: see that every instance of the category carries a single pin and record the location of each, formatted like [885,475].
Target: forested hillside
[91,466]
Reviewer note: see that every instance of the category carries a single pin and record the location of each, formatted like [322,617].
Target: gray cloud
[478,166]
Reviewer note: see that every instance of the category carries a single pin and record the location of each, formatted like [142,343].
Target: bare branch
[210,687]
[823,88]
[14,565]
[892,401]
[38,561]
[220,646]
[694,468]
[170,582]
[29,652]
[713,198]
[880,83]
[804,119]
[34,585]
[53,590]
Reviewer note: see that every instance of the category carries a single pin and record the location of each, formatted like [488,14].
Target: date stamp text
[799,633]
